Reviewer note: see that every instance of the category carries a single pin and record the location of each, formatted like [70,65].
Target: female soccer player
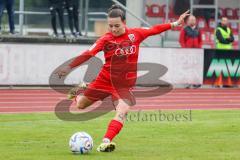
[118,74]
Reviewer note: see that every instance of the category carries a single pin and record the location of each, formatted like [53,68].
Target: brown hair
[116,11]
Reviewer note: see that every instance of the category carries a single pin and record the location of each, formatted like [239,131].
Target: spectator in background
[72,7]
[57,7]
[190,35]
[9,5]
[224,40]
[224,36]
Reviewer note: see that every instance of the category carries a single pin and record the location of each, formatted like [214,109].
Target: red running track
[45,100]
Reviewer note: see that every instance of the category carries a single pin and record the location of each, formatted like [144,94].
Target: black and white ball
[81,143]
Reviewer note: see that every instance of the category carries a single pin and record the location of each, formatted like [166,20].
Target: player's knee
[81,106]
[82,102]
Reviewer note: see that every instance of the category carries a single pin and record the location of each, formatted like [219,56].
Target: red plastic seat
[236,38]
[221,12]
[212,36]
[235,45]
[211,39]
[234,26]
[147,10]
[229,12]
[212,25]
[237,13]
[208,39]
[171,13]
[205,36]
[235,35]
[154,10]
[202,24]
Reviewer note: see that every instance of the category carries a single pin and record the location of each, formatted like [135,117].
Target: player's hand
[63,71]
[182,17]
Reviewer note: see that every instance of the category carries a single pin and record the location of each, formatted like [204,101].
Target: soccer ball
[80,143]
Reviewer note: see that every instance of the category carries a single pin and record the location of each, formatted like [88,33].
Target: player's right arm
[91,52]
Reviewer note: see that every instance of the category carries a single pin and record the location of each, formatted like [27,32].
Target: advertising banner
[221,67]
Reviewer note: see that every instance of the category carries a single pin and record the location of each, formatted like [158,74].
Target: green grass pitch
[208,135]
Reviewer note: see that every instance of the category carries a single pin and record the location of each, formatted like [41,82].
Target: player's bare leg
[114,127]
[83,102]
[122,109]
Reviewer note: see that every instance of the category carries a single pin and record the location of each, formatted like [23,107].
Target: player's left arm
[157,29]
[85,56]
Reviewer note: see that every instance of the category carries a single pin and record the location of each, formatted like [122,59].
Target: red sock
[114,128]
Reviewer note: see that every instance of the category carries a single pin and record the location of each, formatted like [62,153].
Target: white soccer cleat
[106,147]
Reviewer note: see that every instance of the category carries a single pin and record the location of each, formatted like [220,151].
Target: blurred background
[185,50]
[33,18]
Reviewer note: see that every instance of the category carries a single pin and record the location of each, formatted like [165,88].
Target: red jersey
[190,38]
[121,56]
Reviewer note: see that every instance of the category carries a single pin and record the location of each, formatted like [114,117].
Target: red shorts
[96,94]
[102,87]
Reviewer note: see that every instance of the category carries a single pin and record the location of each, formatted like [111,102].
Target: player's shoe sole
[106,147]
[72,94]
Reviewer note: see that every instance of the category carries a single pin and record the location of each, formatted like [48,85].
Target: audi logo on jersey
[120,49]
[125,51]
